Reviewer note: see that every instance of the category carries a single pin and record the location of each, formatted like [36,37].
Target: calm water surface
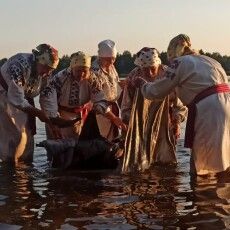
[37,197]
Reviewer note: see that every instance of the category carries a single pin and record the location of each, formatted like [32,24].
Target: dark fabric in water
[94,154]
[31,119]
[90,128]
[92,151]
[87,155]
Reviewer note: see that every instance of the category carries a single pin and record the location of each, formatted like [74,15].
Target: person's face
[80,72]
[107,61]
[43,70]
[149,71]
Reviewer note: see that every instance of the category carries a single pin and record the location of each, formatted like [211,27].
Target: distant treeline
[125,61]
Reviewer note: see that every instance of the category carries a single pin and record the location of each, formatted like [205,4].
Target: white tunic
[104,90]
[190,75]
[16,140]
[63,91]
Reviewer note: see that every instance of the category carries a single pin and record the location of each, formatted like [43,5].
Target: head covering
[107,48]
[177,46]
[80,59]
[46,55]
[147,57]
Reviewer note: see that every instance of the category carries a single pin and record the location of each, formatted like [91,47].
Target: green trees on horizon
[125,61]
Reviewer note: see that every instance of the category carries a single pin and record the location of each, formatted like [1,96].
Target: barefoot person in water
[20,81]
[201,84]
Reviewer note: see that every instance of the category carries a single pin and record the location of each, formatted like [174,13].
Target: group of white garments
[64,94]
[188,75]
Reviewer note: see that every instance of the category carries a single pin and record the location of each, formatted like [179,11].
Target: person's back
[66,96]
[20,81]
[196,73]
[202,85]
[90,152]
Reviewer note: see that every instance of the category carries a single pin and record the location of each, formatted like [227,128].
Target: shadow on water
[37,197]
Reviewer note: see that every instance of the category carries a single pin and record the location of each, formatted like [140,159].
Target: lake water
[37,197]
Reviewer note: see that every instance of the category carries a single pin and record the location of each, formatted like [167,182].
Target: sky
[73,25]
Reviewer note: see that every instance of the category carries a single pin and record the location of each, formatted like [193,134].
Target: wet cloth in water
[149,138]
[91,151]
[151,134]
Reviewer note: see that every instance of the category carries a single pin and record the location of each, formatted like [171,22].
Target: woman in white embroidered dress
[105,91]
[201,84]
[66,95]
[154,125]
[20,81]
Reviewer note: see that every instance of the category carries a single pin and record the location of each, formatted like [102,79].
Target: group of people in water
[93,122]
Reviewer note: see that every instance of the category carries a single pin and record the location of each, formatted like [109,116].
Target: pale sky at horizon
[72,25]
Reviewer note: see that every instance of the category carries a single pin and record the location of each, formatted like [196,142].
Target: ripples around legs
[37,197]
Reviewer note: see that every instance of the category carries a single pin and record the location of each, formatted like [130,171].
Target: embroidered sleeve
[98,98]
[16,95]
[170,71]
[17,70]
[179,111]
[55,83]
[162,87]
[49,95]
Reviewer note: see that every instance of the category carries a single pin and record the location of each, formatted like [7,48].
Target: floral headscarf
[80,59]
[147,57]
[177,46]
[46,55]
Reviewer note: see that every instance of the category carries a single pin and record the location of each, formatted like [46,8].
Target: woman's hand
[116,121]
[176,130]
[33,111]
[120,124]
[43,117]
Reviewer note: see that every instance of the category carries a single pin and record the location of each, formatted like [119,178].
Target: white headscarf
[147,57]
[107,48]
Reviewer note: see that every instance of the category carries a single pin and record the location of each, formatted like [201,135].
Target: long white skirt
[16,139]
[211,147]
[105,127]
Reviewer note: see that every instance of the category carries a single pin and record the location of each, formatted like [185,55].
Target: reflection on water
[37,197]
